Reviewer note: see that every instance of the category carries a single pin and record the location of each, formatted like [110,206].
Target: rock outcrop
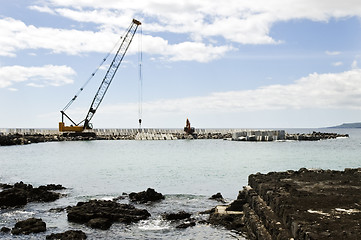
[102,214]
[68,235]
[31,225]
[150,195]
[176,216]
[20,194]
[304,204]
[218,197]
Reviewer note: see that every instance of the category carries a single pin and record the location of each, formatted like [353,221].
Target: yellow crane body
[63,128]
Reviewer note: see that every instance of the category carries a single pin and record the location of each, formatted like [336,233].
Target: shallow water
[187,172]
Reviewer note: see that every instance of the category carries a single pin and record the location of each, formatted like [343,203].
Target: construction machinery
[85,123]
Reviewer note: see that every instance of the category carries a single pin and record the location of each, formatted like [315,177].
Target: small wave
[341,137]
[18,213]
[154,225]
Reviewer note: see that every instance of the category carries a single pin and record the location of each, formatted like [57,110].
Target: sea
[186,172]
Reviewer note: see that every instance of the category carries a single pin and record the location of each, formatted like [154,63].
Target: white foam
[153,225]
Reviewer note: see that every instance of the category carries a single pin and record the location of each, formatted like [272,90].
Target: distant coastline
[348,125]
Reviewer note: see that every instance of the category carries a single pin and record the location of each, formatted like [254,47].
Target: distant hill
[348,125]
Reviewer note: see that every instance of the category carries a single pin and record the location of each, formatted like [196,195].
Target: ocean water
[187,172]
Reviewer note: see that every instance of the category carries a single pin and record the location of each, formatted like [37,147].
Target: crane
[77,127]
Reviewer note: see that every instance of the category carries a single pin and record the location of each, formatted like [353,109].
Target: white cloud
[48,75]
[246,22]
[334,53]
[17,36]
[43,9]
[336,64]
[354,65]
[315,91]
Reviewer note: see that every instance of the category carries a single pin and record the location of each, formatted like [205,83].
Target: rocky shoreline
[26,138]
[303,204]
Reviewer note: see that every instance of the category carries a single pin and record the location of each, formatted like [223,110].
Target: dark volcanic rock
[31,225]
[20,194]
[5,229]
[68,235]
[101,214]
[12,198]
[304,204]
[186,224]
[218,197]
[100,223]
[5,186]
[52,187]
[146,196]
[176,216]
[229,221]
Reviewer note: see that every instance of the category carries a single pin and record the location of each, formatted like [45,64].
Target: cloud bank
[48,75]
[326,91]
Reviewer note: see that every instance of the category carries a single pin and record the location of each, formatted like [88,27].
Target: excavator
[85,124]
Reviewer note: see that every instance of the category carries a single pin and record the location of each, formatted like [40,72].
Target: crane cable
[92,75]
[140,81]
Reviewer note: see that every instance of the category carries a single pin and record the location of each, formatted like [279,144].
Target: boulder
[5,230]
[186,224]
[102,214]
[68,235]
[176,216]
[218,197]
[146,196]
[31,225]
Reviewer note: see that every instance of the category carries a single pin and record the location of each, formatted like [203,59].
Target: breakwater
[19,136]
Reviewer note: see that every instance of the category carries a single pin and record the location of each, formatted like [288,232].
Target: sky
[222,64]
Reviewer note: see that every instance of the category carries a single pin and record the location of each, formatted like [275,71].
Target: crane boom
[127,39]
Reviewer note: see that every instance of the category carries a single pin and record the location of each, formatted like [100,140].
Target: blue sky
[237,64]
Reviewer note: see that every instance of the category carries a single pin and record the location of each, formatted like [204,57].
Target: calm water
[187,172]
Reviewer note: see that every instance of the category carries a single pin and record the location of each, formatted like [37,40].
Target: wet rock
[186,224]
[208,211]
[12,198]
[176,216]
[229,221]
[5,186]
[68,235]
[236,205]
[218,197]
[101,213]
[146,196]
[52,187]
[31,225]
[5,230]
[20,194]
[100,223]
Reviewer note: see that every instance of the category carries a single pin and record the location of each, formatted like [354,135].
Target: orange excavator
[85,124]
[188,129]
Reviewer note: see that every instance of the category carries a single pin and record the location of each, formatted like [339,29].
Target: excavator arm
[127,39]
